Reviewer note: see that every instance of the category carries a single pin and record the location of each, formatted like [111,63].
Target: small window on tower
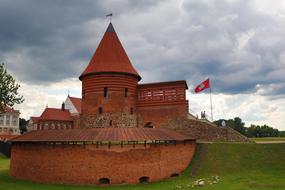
[105,92]
[100,110]
[126,92]
[132,111]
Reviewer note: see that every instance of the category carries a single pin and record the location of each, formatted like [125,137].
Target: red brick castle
[113,135]
[112,97]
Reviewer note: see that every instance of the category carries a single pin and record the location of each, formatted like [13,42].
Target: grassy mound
[239,166]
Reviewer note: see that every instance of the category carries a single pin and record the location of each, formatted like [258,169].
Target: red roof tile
[34,119]
[56,115]
[7,137]
[102,134]
[9,109]
[76,102]
[110,57]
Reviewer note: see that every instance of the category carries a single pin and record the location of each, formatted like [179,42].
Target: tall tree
[8,90]
[253,130]
[23,125]
[235,124]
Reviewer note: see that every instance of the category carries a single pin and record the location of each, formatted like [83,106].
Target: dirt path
[270,142]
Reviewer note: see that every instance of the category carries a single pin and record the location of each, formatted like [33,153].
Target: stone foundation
[110,120]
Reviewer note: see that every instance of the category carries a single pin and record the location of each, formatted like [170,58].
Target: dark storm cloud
[43,34]
[234,43]
[45,41]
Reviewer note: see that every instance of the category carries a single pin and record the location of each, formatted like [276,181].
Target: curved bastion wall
[99,164]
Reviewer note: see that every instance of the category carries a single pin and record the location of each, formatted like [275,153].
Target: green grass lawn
[271,139]
[239,166]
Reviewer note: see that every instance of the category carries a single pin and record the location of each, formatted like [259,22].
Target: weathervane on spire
[110,15]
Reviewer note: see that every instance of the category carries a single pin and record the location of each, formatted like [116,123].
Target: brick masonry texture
[86,164]
[110,120]
[204,131]
[141,104]
[159,115]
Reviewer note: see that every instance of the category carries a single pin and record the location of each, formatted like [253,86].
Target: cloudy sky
[239,44]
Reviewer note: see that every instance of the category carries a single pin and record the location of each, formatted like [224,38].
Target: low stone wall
[204,131]
[91,164]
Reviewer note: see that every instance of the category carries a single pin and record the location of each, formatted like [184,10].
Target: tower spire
[110,57]
[110,16]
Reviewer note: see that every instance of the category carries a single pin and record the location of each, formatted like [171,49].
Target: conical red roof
[110,57]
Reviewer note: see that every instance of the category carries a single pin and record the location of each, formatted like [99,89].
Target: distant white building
[9,123]
[33,124]
[73,104]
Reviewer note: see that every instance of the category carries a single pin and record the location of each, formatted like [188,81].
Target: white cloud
[251,108]
[37,97]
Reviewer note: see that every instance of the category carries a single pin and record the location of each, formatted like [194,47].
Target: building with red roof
[9,123]
[114,130]
[112,96]
[110,57]
[33,124]
[73,104]
[54,118]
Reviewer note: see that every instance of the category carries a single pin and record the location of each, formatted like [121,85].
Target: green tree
[23,125]
[8,90]
[235,124]
[253,130]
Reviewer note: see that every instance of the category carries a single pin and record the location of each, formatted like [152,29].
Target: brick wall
[51,124]
[159,115]
[159,102]
[108,93]
[86,164]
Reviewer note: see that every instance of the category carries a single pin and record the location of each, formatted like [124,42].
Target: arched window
[132,111]
[100,110]
[144,179]
[111,122]
[126,92]
[148,125]
[104,181]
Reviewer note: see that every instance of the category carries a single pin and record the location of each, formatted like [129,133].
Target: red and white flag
[204,85]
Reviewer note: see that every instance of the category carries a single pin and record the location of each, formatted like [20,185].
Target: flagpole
[211,103]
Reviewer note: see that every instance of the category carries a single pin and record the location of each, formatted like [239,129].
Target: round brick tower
[109,86]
